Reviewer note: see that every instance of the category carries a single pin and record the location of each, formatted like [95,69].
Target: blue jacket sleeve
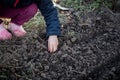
[51,17]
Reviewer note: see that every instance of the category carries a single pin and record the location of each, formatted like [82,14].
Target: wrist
[55,36]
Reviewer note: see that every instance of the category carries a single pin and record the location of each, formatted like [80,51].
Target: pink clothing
[19,15]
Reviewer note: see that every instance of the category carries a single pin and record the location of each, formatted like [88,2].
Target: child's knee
[32,9]
[25,14]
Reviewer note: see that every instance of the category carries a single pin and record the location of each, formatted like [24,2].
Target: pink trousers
[19,15]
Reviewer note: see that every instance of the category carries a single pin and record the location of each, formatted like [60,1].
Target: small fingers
[52,43]
[52,47]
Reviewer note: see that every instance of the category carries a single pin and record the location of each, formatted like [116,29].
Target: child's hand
[52,43]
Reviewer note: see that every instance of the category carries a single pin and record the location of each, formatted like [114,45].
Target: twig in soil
[60,7]
[8,67]
[19,76]
[43,46]
[71,57]
[81,73]
[111,10]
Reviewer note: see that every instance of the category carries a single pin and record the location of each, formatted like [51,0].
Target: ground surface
[89,50]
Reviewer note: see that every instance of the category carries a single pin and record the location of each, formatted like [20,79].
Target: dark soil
[89,50]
